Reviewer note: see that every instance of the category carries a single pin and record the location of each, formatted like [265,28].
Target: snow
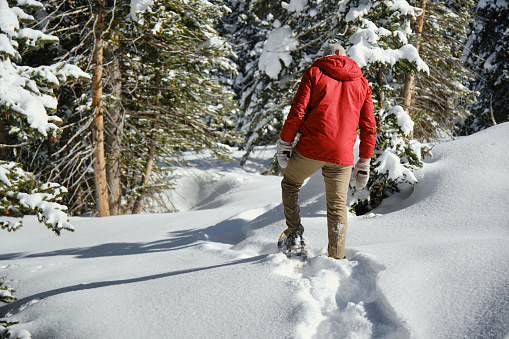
[488,64]
[502,3]
[276,49]
[403,119]
[358,12]
[405,8]
[365,54]
[496,4]
[214,42]
[4,170]
[4,293]
[33,37]
[8,19]
[28,102]
[6,47]
[294,5]
[365,49]
[390,163]
[139,6]
[19,91]
[428,263]
[51,212]
[30,4]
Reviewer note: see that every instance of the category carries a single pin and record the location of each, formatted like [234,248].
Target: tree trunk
[409,77]
[4,151]
[138,204]
[381,79]
[114,127]
[407,91]
[101,186]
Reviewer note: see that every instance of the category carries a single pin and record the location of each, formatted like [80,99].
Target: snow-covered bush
[395,159]
[6,296]
[20,195]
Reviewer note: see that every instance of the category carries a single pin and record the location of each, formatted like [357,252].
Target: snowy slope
[431,263]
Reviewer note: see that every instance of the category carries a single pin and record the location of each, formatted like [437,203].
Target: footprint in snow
[341,299]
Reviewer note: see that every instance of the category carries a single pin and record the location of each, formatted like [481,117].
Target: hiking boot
[291,241]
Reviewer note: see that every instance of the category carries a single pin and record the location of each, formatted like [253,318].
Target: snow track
[340,299]
[344,295]
[331,298]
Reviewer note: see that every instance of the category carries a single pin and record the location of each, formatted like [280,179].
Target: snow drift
[430,262]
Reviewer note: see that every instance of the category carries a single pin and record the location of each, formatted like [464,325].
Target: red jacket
[332,101]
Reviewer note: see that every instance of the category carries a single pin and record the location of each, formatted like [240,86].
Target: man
[333,100]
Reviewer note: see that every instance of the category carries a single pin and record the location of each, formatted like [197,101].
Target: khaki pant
[336,179]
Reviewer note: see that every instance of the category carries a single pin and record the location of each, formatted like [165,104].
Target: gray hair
[332,48]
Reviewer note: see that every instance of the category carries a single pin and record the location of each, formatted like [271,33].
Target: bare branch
[15,146]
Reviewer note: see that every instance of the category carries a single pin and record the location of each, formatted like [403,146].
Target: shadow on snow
[9,308]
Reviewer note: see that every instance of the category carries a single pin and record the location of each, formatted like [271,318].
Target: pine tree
[177,104]
[395,160]
[264,96]
[70,159]
[382,42]
[27,104]
[379,38]
[487,53]
[442,99]
[160,97]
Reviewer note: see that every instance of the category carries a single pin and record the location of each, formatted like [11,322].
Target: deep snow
[428,263]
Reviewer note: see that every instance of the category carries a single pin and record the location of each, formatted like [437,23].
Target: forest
[104,104]
[101,100]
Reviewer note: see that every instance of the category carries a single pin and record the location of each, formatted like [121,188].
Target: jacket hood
[339,67]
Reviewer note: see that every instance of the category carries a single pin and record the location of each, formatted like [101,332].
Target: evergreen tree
[69,160]
[488,54]
[253,27]
[379,38]
[173,101]
[27,105]
[6,297]
[442,98]
[381,41]
[160,95]
[395,159]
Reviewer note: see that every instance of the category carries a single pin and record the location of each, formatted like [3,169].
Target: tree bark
[114,127]
[101,186]
[408,90]
[4,151]
[381,79]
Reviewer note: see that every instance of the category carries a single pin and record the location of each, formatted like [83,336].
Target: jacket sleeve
[298,110]
[367,125]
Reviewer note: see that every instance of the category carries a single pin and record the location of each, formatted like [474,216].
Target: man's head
[334,49]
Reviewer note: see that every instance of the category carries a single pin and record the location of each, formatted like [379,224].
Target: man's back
[333,99]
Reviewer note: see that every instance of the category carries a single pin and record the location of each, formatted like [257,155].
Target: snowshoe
[293,246]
